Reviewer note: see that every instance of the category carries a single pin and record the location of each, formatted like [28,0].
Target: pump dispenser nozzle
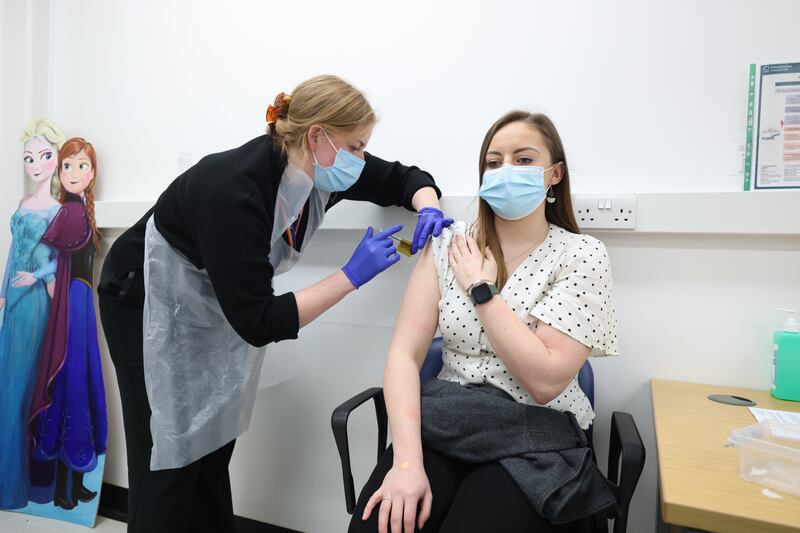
[791,324]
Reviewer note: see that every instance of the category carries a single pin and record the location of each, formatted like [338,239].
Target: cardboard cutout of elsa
[25,298]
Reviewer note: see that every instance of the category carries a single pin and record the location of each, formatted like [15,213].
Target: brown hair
[70,148]
[326,101]
[559,213]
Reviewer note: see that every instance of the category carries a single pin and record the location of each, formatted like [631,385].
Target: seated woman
[496,442]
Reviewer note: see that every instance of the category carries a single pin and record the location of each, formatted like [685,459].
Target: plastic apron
[293,191]
[201,377]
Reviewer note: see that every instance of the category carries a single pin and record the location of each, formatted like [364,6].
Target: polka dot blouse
[565,283]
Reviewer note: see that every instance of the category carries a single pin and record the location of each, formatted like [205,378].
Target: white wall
[12,90]
[649,97]
[25,86]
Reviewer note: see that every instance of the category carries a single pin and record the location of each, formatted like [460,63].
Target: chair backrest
[433,364]
[433,361]
[586,381]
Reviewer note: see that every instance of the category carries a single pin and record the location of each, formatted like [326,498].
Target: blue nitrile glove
[373,255]
[431,221]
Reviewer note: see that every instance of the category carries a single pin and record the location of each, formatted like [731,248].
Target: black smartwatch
[482,291]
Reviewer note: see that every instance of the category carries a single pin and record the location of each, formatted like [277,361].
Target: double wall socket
[598,211]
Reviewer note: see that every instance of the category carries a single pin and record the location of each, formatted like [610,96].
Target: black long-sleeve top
[219,214]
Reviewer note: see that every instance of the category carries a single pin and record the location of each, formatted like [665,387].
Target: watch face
[481,293]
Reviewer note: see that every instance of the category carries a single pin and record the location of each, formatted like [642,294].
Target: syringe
[403,246]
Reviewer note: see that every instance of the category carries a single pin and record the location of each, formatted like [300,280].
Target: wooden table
[700,486]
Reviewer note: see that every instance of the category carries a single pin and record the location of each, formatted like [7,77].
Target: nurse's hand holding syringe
[374,254]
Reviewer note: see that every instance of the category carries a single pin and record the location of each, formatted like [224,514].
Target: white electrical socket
[599,211]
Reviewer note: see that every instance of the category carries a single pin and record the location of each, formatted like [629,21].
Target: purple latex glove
[373,255]
[431,221]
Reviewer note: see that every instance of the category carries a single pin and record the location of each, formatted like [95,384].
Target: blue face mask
[341,175]
[514,192]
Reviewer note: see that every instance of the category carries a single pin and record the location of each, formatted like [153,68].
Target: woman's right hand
[405,489]
[469,264]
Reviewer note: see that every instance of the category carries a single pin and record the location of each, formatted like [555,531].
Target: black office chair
[625,452]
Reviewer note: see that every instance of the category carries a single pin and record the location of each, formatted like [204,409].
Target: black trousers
[467,498]
[194,498]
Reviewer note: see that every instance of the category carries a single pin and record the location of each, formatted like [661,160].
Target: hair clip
[280,109]
[272,114]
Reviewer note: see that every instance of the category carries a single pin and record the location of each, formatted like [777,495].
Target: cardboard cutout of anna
[52,403]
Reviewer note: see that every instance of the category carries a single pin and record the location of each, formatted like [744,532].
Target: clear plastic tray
[769,454]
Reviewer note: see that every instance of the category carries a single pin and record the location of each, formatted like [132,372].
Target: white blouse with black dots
[565,282]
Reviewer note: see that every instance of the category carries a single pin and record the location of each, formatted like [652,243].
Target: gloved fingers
[440,225]
[367,235]
[425,232]
[418,231]
[390,251]
[437,228]
[387,232]
[393,259]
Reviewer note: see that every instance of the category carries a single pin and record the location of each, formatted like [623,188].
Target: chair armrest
[339,425]
[626,444]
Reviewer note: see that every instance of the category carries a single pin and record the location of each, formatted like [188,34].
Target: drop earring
[551,196]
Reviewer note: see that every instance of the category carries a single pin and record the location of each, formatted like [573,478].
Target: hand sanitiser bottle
[786,360]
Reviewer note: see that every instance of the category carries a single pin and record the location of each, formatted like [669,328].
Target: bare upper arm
[419,311]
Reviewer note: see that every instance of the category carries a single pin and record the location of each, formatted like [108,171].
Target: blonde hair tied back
[327,101]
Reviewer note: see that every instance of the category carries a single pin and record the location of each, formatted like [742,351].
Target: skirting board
[738,213]
[114,505]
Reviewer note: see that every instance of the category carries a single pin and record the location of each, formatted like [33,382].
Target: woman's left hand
[470,264]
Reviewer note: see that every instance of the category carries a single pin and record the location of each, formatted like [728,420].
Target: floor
[23,523]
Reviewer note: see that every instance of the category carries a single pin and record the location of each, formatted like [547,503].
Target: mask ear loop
[315,155]
[329,140]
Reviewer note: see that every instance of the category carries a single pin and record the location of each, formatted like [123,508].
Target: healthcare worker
[186,293]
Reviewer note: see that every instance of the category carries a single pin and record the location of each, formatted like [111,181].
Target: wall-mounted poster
[772,154]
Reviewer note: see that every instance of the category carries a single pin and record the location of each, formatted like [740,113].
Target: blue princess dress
[24,318]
